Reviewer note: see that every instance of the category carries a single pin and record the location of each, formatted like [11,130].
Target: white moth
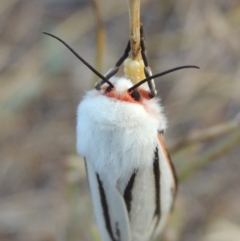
[120,130]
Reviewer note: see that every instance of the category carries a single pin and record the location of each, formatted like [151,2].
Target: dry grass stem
[210,155]
[134,20]
[207,134]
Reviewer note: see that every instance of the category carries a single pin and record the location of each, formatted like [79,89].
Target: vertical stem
[134,19]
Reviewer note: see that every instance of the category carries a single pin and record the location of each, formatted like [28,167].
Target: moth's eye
[151,96]
[135,95]
[109,89]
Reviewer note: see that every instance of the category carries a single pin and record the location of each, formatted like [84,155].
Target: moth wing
[139,196]
[109,207]
[150,195]
[168,183]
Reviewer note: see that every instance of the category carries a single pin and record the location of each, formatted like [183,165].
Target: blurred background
[44,195]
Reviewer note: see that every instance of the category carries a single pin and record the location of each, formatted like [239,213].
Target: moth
[120,127]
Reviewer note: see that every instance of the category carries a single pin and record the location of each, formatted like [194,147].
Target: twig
[207,134]
[210,155]
[134,20]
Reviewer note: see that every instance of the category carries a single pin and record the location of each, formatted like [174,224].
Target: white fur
[116,138]
[117,135]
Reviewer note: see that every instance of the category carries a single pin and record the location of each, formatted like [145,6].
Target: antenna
[161,74]
[84,61]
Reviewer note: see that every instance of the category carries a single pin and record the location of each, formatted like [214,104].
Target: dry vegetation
[44,194]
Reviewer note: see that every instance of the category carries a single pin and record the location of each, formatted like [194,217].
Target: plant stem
[134,20]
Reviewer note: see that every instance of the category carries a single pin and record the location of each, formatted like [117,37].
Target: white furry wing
[140,200]
[109,206]
[149,195]
[138,205]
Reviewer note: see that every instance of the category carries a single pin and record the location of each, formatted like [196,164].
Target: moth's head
[121,90]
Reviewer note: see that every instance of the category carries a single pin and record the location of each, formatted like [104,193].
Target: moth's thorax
[121,132]
[121,93]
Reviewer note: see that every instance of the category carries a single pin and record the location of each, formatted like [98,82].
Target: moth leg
[115,69]
[147,69]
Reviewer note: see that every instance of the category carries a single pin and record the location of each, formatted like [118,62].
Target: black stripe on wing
[157,175]
[128,191]
[117,232]
[105,208]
